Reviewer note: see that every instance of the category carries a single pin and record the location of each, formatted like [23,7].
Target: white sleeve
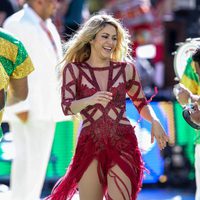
[14,28]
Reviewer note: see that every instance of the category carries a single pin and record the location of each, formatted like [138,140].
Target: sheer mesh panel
[116,78]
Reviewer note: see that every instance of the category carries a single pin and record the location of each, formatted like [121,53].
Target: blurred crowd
[146,20]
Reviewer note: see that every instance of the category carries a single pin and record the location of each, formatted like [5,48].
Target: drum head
[182,54]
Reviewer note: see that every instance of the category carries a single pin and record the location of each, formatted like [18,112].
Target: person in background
[189,92]
[96,78]
[15,66]
[73,17]
[34,120]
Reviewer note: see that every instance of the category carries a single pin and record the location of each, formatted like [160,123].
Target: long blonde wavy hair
[77,49]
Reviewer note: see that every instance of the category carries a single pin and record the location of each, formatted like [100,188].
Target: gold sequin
[23,69]
[8,50]
[3,78]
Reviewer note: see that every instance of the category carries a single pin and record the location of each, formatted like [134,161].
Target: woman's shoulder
[128,66]
[74,66]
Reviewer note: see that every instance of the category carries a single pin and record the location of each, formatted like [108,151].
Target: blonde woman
[107,161]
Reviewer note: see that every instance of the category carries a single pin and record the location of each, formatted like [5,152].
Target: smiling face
[104,43]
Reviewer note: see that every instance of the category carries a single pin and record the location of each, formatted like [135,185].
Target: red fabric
[159,53]
[107,135]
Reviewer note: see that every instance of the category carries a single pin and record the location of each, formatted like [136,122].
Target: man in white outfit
[34,123]
[189,92]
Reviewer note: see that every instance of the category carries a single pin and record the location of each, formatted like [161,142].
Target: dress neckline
[98,68]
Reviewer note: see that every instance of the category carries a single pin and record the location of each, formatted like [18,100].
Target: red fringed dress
[106,134]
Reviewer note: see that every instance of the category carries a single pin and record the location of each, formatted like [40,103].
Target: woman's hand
[159,133]
[101,97]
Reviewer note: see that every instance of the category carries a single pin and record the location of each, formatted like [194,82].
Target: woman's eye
[106,37]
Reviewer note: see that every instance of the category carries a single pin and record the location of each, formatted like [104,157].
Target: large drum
[184,51]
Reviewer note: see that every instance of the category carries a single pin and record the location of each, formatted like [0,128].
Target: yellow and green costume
[190,80]
[14,59]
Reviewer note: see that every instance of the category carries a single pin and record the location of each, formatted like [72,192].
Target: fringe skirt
[120,148]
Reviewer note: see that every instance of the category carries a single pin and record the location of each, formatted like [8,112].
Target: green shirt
[14,59]
[190,80]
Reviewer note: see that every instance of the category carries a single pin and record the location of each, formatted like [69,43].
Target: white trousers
[32,143]
[197,171]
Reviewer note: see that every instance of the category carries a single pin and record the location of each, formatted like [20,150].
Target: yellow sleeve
[3,78]
[24,69]
[23,65]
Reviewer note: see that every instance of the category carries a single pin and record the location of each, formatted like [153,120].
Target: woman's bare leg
[119,185]
[89,185]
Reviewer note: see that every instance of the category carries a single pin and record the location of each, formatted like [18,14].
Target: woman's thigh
[119,185]
[89,186]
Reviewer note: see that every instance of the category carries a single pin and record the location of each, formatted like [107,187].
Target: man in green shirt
[189,91]
[15,65]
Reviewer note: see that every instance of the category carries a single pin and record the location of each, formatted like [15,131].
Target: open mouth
[108,49]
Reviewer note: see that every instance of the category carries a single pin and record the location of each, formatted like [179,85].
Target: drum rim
[186,116]
[181,49]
